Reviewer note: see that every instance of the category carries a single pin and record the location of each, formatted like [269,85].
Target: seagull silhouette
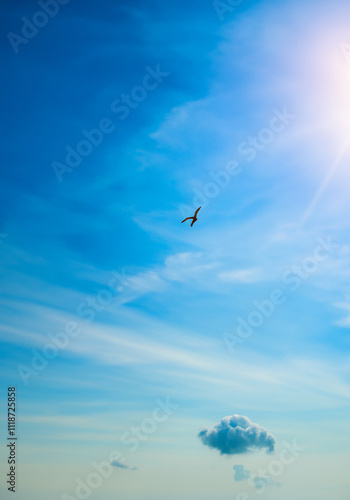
[194,217]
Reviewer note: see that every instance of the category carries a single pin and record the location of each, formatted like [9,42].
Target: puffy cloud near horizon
[259,482]
[236,434]
[122,465]
[241,474]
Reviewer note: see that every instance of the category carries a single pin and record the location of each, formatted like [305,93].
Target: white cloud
[236,434]
[242,275]
[345,322]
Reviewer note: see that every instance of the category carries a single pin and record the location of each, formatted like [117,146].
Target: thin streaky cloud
[123,465]
[241,275]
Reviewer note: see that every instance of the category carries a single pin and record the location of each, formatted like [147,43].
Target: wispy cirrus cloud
[242,275]
[345,322]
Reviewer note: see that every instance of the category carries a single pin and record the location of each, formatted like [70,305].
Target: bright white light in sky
[326,102]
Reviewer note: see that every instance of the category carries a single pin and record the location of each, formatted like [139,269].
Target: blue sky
[244,113]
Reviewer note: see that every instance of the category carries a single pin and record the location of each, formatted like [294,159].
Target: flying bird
[194,217]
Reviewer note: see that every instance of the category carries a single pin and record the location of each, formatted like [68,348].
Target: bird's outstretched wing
[187,218]
[196,212]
